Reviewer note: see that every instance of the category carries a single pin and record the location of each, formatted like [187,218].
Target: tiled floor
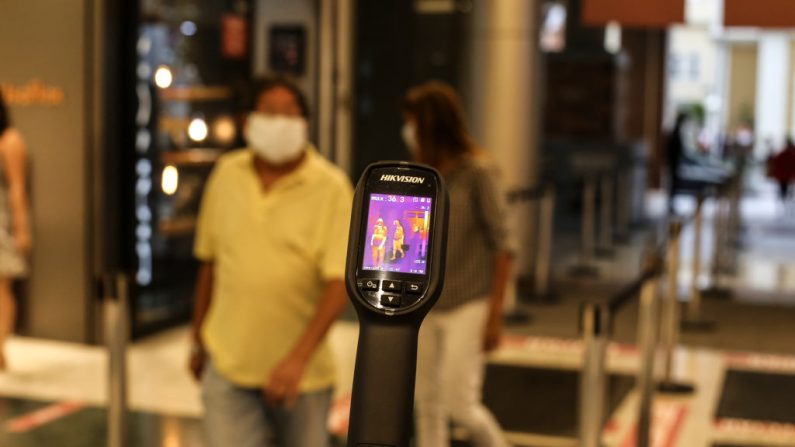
[32,423]
[172,421]
[54,394]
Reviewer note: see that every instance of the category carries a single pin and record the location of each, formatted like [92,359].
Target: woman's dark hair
[440,126]
[5,120]
[271,82]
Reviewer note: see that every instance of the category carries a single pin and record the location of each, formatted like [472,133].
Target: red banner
[234,36]
[634,13]
[760,13]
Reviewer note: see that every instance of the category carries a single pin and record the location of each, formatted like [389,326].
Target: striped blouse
[477,231]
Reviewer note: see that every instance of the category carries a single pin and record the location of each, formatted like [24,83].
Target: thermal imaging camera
[394,275]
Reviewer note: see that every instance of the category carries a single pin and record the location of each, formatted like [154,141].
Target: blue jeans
[239,417]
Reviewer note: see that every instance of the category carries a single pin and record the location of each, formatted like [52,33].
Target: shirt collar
[301,174]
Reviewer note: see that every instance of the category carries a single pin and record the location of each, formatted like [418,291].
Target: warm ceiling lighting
[197,130]
[170,180]
[224,130]
[613,38]
[163,77]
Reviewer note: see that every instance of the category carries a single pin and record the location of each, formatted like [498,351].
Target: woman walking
[15,239]
[467,320]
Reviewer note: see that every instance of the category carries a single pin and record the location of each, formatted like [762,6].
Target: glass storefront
[193,65]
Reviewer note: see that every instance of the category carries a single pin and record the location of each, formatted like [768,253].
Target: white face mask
[276,138]
[409,134]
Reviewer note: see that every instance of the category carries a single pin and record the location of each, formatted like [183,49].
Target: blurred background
[127,104]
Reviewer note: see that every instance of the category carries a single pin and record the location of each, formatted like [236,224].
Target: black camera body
[394,275]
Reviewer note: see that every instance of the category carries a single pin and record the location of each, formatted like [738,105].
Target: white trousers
[450,367]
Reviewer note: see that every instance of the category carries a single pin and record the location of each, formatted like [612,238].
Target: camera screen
[397,234]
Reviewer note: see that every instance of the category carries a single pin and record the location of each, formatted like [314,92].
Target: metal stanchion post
[545,235]
[593,377]
[623,207]
[606,217]
[716,290]
[588,215]
[694,304]
[693,320]
[585,266]
[719,238]
[670,312]
[729,265]
[728,255]
[725,213]
[647,341]
[116,334]
[513,314]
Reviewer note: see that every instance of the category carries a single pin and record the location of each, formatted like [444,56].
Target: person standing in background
[15,238]
[378,243]
[674,151]
[781,168]
[466,322]
[398,240]
[271,281]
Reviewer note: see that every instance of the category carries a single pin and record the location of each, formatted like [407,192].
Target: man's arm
[201,304]
[502,271]
[282,385]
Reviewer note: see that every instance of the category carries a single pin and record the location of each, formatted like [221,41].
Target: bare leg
[8,313]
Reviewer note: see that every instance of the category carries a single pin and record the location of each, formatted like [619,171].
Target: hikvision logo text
[402,178]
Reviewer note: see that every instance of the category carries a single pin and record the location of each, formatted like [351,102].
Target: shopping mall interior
[647,305]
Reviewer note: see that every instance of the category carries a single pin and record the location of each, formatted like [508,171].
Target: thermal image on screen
[397,234]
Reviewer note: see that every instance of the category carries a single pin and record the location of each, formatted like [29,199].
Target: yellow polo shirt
[273,253]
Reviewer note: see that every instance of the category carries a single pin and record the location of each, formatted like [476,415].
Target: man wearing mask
[271,280]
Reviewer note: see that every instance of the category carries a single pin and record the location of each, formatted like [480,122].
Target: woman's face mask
[409,134]
[278,139]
